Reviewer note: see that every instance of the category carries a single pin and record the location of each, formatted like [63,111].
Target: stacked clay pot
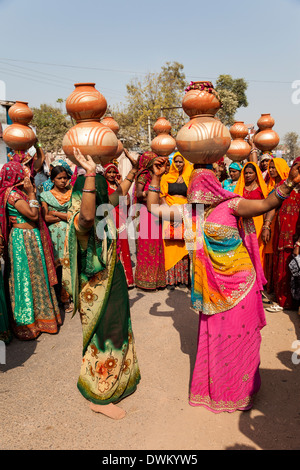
[163,144]
[19,135]
[86,106]
[110,122]
[266,139]
[239,149]
[204,139]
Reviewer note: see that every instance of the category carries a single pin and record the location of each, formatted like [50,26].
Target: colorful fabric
[12,175]
[60,203]
[259,193]
[226,374]
[95,279]
[122,241]
[227,280]
[143,175]
[282,169]
[33,300]
[47,185]
[286,233]
[224,254]
[175,250]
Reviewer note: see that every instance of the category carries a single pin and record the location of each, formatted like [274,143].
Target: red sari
[286,234]
[123,250]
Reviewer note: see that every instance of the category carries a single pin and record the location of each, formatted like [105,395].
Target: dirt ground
[41,408]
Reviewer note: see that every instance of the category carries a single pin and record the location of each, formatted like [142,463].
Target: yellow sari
[259,220]
[175,250]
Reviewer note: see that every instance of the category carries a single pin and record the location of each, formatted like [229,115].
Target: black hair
[56,170]
[251,166]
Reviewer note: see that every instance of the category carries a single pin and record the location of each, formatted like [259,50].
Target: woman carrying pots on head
[55,203]
[251,185]
[113,178]
[227,280]
[278,171]
[234,169]
[29,257]
[94,277]
[150,259]
[173,190]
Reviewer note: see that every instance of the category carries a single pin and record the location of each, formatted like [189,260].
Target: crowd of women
[60,257]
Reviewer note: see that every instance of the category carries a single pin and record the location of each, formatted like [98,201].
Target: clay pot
[92,138]
[163,145]
[265,122]
[111,123]
[86,103]
[120,149]
[201,101]
[19,137]
[20,113]
[203,139]
[266,139]
[162,126]
[239,149]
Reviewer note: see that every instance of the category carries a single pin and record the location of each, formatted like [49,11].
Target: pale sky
[46,47]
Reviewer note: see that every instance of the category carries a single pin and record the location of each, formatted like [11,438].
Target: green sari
[95,278]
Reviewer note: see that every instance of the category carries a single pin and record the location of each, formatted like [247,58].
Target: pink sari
[226,373]
[150,257]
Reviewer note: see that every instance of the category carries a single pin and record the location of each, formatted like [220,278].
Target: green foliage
[51,126]
[151,98]
[233,96]
[291,140]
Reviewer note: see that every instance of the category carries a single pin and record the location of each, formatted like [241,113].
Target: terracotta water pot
[120,149]
[266,121]
[163,144]
[162,126]
[203,139]
[266,139]
[86,103]
[19,137]
[111,123]
[20,113]
[92,138]
[239,149]
[201,99]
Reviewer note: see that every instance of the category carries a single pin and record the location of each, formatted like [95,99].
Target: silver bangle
[34,203]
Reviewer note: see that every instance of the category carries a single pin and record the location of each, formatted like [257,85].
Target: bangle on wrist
[131,181]
[154,189]
[90,174]
[89,191]
[289,184]
[253,150]
[267,227]
[297,243]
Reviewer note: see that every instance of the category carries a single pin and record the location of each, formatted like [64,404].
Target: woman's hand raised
[159,166]
[294,174]
[87,163]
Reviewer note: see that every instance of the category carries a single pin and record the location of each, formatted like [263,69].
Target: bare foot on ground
[111,410]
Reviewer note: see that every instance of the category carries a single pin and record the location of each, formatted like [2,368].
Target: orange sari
[259,220]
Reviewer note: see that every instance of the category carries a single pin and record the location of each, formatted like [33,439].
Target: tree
[291,140]
[233,96]
[51,126]
[158,94]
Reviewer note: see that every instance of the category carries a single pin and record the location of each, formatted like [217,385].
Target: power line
[129,71]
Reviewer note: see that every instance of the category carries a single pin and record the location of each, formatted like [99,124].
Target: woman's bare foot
[111,410]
